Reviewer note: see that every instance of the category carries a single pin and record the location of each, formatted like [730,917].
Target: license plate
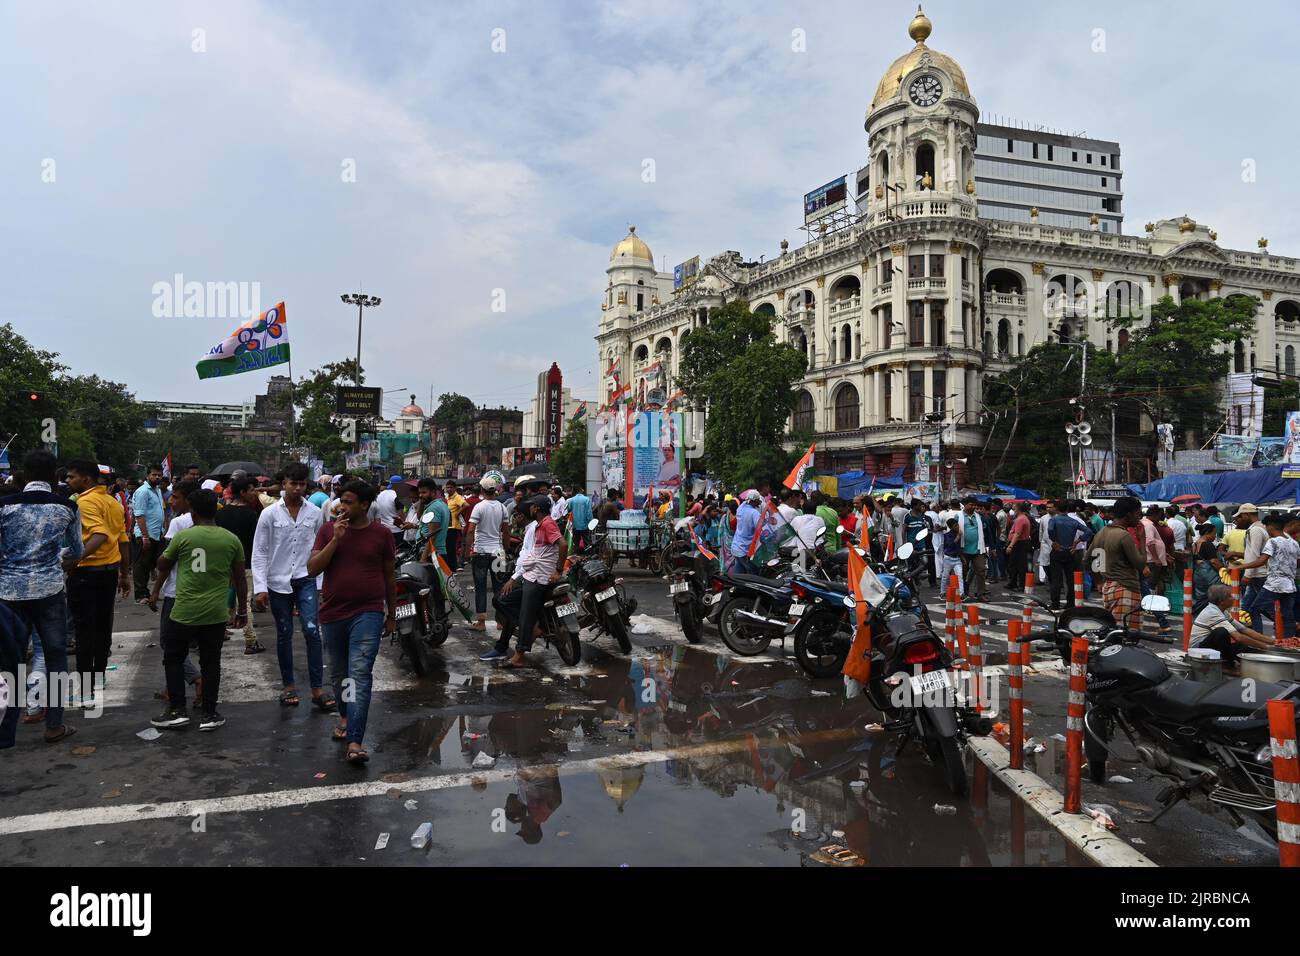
[607,593]
[796,610]
[934,680]
[679,587]
[405,610]
[565,610]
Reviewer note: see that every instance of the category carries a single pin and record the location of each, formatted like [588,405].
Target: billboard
[516,457]
[654,451]
[825,200]
[554,407]
[358,401]
[1291,440]
[686,273]
[1244,404]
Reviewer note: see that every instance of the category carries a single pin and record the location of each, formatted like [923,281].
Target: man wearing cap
[1247,519]
[484,536]
[385,509]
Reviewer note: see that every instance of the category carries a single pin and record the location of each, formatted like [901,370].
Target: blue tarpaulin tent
[1012,491]
[1256,485]
[859,483]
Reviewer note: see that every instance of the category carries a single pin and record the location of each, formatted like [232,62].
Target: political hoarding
[1291,439]
[825,200]
[686,273]
[653,451]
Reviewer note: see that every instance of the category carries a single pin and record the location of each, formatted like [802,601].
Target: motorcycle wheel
[739,637]
[569,646]
[618,630]
[691,625]
[1094,749]
[818,646]
[954,767]
[418,653]
[438,634]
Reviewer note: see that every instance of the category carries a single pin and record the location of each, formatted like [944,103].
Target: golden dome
[633,246]
[919,29]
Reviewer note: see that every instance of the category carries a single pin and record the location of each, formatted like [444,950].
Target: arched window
[1123,299]
[924,165]
[1004,337]
[1290,359]
[804,420]
[1123,339]
[1020,344]
[1239,356]
[846,345]
[988,344]
[846,407]
[641,354]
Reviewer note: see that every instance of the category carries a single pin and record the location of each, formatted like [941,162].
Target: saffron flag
[259,343]
[795,478]
[700,544]
[619,393]
[857,666]
[768,509]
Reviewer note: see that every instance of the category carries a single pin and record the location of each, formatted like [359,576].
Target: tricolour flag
[699,545]
[795,478]
[259,343]
[768,509]
[167,466]
[857,666]
[580,413]
[619,393]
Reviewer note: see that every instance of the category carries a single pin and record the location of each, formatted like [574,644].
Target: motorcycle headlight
[849,602]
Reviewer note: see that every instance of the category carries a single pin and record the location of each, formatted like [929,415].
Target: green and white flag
[259,343]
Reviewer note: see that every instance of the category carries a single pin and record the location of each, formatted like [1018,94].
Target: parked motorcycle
[754,608]
[1210,739]
[602,599]
[689,578]
[558,619]
[421,612]
[911,686]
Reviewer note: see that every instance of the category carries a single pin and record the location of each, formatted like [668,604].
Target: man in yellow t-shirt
[455,504]
[102,571]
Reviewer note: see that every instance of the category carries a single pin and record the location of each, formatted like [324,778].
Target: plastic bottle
[420,838]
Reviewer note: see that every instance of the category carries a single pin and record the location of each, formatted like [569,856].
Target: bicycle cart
[643,543]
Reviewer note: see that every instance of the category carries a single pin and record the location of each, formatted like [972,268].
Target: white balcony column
[1035,311]
[952,320]
[1265,337]
[898,300]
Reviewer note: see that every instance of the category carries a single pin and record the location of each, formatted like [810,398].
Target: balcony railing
[1004,300]
[798,316]
[839,308]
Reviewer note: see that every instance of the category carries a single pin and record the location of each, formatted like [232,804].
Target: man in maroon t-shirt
[357,556]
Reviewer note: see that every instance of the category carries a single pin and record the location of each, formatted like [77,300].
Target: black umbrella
[229,468]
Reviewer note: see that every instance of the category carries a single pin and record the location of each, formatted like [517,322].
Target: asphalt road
[673,755]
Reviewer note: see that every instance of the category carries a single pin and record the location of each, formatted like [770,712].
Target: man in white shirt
[559,506]
[1215,628]
[286,531]
[509,599]
[897,515]
[483,536]
[385,509]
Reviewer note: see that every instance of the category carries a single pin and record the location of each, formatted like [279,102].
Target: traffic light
[33,396]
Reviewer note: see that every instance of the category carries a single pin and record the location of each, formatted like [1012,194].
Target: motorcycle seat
[741,578]
[1191,701]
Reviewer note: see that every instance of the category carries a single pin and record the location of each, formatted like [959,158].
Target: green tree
[26,371]
[569,462]
[1173,365]
[319,428]
[743,379]
[100,420]
[454,413]
[764,464]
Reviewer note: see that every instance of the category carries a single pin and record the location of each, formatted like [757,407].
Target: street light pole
[362,302]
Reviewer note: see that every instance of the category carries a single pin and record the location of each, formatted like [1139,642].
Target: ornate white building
[903,313]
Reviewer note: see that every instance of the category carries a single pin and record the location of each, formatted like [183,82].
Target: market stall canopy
[1260,485]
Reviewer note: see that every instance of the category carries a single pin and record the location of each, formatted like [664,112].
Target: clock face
[925,90]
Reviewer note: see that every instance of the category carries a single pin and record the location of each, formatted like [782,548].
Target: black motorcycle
[690,575]
[602,599]
[911,686]
[421,612]
[1207,738]
[558,619]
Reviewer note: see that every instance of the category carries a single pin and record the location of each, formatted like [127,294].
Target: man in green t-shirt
[831,518]
[208,560]
[434,531]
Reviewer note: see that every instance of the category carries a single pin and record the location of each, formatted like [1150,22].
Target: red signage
[554,407]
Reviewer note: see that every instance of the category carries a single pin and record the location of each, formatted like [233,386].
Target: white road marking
[305,796]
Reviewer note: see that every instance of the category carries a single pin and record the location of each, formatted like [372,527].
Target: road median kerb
[1096,843]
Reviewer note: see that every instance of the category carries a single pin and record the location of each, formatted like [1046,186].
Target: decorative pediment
[1198,249]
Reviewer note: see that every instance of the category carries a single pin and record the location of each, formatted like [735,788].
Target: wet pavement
[673,755]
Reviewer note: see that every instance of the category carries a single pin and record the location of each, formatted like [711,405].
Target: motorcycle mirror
[821,533]
[840,529]
[1155,602]
[593,525]
[427,518]
[773,563]
[922,534]
[905,551]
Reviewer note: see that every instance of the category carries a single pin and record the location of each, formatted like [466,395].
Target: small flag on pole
[795,478]
[167,466]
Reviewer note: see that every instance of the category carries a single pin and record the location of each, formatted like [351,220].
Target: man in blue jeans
[40,535]
[356,556]
[282,544]
[1281,555]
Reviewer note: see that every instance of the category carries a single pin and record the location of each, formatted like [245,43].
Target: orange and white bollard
[889,548]
[1027,613]
[962,645]
[1074,725]
[1015,691]
[1078,589]
[950,617]
[1187,610]
[1286,779]
[976,655]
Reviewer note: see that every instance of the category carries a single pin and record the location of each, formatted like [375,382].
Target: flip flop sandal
[325,702]
[339,733]
[357,757]
[290,698]
[67,732]
[36,718]
[254,648]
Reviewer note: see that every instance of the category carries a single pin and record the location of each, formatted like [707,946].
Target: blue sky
[478,170]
